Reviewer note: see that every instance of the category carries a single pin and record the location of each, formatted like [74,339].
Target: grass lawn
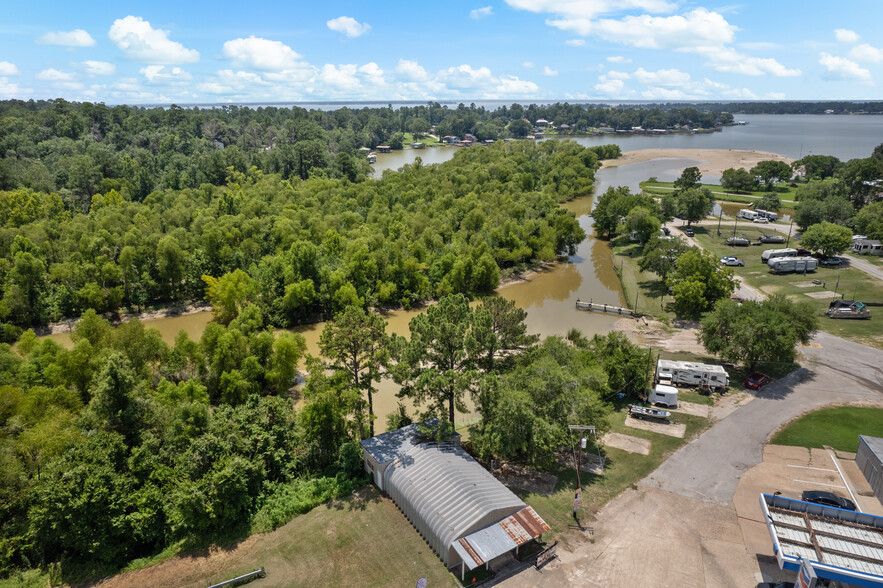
[426,140]
[838,427]
[785,192]
[853,283]
[645,286]
[624,469]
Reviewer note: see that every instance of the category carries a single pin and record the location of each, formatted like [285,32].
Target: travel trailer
[784,265]
[747,214]
[689,373]
[664,395]
[769,254]
[770,216]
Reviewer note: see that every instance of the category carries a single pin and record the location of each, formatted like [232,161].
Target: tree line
[302,249]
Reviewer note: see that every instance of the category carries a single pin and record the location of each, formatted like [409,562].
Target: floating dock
[598,307]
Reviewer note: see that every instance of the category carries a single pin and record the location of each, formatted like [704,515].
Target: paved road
[838,371]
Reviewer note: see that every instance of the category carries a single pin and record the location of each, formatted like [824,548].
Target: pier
[598,307]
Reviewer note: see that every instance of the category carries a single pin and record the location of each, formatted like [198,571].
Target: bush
[285,501]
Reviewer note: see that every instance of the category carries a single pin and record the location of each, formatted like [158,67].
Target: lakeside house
[541,122]
[383,149]
[450,139]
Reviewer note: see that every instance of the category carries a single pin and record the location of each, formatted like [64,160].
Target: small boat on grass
[645,412]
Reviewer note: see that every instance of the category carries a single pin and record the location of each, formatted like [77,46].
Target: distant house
[450,139]
[488,141]
[867,247]
[470,137]
[564,127]
[465,143]
[541,122]
[383,149]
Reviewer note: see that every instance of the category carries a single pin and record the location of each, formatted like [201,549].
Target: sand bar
[711,161]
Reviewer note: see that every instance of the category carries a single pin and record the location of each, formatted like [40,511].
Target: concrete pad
[821,295]
[804,285]
[785,453]
[672,429]
[701,410]
[864,494]
[626,443]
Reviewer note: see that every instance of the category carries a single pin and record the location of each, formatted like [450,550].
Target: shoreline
[711,161]
[118,319]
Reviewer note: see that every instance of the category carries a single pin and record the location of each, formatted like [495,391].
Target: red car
[756,380]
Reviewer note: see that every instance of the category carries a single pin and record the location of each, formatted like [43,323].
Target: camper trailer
[747,214]
[770,216]
[772,239]
[784,265]
[664,395]
[769,254]
[688,373]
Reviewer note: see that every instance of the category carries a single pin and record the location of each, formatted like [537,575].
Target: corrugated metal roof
[875,444]
[497,539]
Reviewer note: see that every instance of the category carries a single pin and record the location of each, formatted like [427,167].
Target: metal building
[869,459]
[465,514]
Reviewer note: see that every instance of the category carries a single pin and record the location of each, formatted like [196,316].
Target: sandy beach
[712,161]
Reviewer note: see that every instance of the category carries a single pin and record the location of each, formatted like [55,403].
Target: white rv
[769,254]
[784,265]
[665,395]
[747,214]
[770,216]
[689,373]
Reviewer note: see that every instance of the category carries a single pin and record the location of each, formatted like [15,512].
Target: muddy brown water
[548,295]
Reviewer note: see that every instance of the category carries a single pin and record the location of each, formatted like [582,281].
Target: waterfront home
[541,122]
[450,139]
[383,149]
[465,143]
[488,141]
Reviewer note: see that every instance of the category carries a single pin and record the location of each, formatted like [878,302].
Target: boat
[645,412]
[739,241]
[848,309]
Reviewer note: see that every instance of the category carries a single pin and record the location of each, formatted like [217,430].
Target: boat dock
[598,307]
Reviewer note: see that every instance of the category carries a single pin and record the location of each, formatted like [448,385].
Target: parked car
[762,220]
[827,499]
[732,260]
[757,380]
[738,299]
[832,261]
[666,231]
[803,252]
[689,232]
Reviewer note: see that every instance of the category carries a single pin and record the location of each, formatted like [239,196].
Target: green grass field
[852,283]
[645,287]
[837,427]
[426,140]
[785,192]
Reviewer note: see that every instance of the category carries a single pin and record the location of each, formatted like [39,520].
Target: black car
[827,499]
[689,232]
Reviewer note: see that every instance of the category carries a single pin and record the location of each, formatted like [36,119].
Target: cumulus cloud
[662,77]
[575,42]
[618,59]
[548,71]
[53,75]
[481,12]
[612,88]
[8,69]
[509,85]
[411,70]
[465,77]
[697,28]
[257,53]
[528,64]
[348,26]
[98,68]
[839,68]
[141,42]
[12,90]
[74,38]
[160,74]
[731,61]
[584,10]
[866,53]
[846,36]
[372,74]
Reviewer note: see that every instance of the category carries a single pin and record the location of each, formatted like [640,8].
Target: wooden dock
[598,307]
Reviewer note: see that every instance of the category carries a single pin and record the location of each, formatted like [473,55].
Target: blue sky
[196,51]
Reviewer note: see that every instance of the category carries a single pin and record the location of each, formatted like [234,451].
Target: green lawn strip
[425,139]
[853,283]
[26,579]
[623,470]
[695,397]
[646,285]
[875,259]
[785,192]
[837,427]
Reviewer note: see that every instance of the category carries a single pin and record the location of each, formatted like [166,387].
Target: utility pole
[789,232]
[719,217]
[577,499]
[735,222]
[647,383]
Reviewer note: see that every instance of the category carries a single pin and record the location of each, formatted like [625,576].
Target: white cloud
[465,77]
[372,74]
[866,53]
[258,53]
[11,90]
[8,69]
[342,77]
[412,70]
[664,94]
[840,68]
[98,68]
[348,26]
[74,38]
[589,9]
[612,87]
[697,28]
[159,74]
[548,71]
[618,59]
[731,61]
[575,42]
[53,75]
[617,75]
[509,85]
[141,42]
[662,77]
[846,36]
[481,12]
[528,64]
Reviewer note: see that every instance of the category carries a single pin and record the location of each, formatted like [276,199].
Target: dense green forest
[300,248]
